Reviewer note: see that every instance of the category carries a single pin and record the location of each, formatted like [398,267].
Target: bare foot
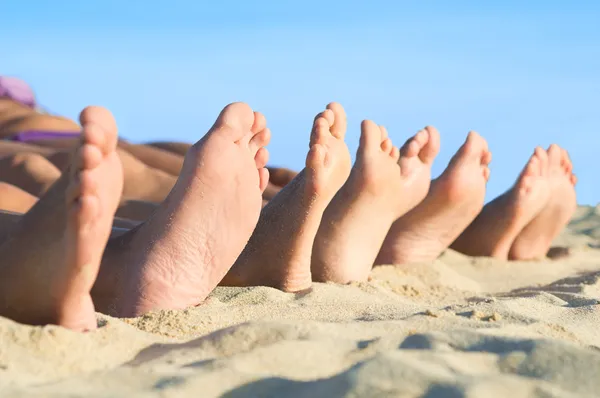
[494,230]
[535,239]
[279,252]
[453,201]
[178,256]
[382,186]
[46,279]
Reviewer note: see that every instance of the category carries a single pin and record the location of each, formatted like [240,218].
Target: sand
[458,327]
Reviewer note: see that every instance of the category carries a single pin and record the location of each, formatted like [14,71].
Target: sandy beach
[458,327]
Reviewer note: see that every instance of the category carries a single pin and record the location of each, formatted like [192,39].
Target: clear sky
[520,73]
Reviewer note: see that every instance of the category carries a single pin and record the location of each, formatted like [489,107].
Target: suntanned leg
[279,252]
[11,148]
[136,209]
[453,201]
[15,199]
[281,176]
[382,186]
[31,172]
[179,148]
[535,239]
[56,248]
[141,182]
[156,158]
[177,257]
[38,122]
[494,230]
[10,219]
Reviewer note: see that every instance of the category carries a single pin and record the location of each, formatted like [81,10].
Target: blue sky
[520,74]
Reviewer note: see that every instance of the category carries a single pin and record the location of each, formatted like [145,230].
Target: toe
[261,158]
[259,140]
[555,157]
[235,121]
[99,128]
[476,143]
[82,183]
[260,123]
[425,144]
[386,146]
[328,115]
[94,134]
[395,154]
[263,178]
[384,133]
[533,166]
[87,157]
[486,173]
[412,147]
[542,156]
[568,165]
[370,138]
[320,132]
[97,115]
[432,147]
[338,129]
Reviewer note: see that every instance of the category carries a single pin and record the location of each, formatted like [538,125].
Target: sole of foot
[453,201]
[536,238]
[279,252]
[80,207]
[384,184]
[179,255]
[494,230]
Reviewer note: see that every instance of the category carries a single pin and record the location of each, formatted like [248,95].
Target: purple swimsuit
[19,91]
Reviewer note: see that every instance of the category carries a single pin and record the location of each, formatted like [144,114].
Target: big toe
[555,158]
[432,146]
[475,148]
[370,138]
[235,121]
[340,124]
[99,128]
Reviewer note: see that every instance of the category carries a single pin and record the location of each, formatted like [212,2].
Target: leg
[14,199]
[280,176]
[31,172]
[178,256]
[494,230]
[156,158]
[136,210]
[453,201]
[535,239]
[79,208]
[382,187]
[178,148]
[11,148]
[279,252]
[141,182]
